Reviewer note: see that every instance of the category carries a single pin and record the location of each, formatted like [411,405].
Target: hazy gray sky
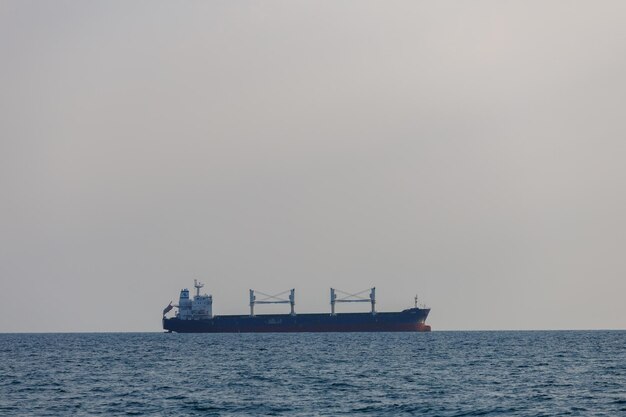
[471,152]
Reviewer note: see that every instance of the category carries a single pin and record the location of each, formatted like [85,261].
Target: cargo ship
[196,316]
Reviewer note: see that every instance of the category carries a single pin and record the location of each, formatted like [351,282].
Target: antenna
[415,300]
[198,285]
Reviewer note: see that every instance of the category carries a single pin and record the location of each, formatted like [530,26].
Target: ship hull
[411,320]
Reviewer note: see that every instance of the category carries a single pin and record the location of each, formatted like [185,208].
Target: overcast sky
[473,153]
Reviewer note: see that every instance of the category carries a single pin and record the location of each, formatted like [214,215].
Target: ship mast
[198,285]
[352,298]
[273,299]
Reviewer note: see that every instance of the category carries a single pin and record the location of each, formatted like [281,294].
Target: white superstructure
[201,307]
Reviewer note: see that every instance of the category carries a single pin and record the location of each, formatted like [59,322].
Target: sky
[472,153]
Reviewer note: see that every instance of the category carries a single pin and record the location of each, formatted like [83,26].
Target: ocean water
[577,373]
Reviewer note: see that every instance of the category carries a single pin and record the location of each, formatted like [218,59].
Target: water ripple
[387,374]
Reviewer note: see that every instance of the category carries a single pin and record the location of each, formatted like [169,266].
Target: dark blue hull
[410,320]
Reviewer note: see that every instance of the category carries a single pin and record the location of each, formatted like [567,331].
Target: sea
[493,373]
